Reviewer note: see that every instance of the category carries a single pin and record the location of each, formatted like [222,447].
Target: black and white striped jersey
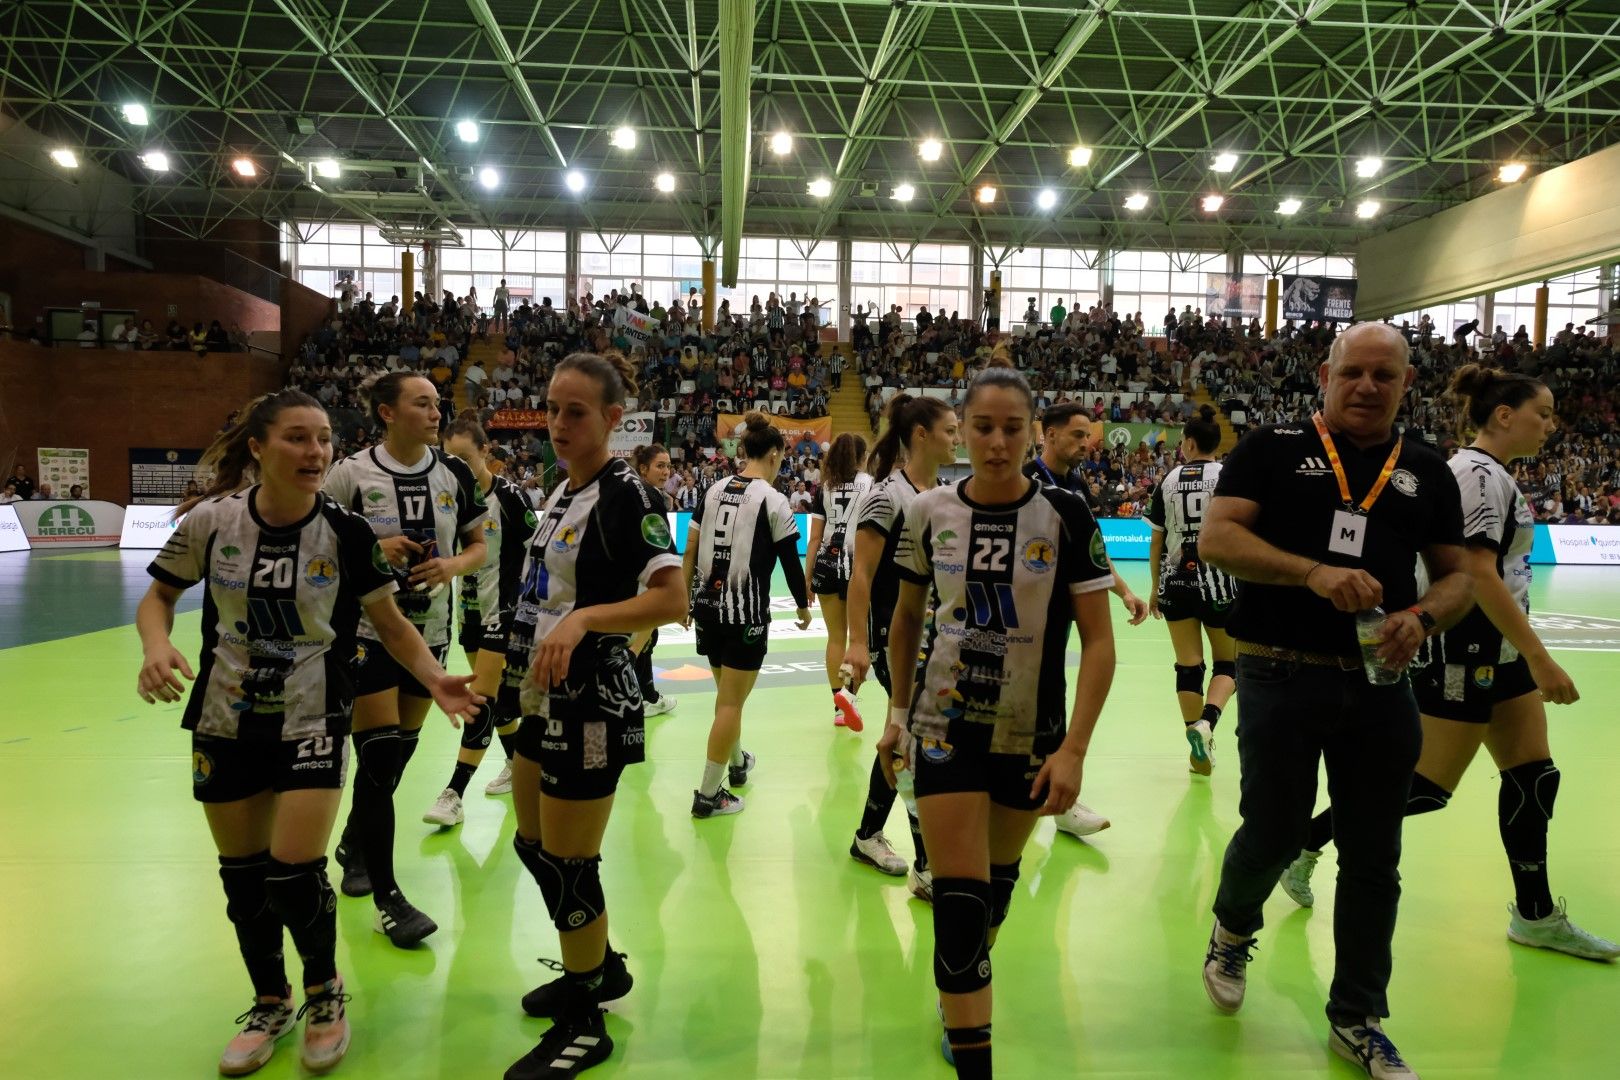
[742,527]
[883,510]
[490,595]
[836,507]
[1497,516]
[279,615]
[434,503]
[1003,578]
[599,543]
[1176,509]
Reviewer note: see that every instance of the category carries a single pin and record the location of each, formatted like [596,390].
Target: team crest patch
[445,501]
[1040,556]
[1484,677]
[937,751]
[359,654]
[655,530]
[1099,551]
[489,527]
[1403,482]
[529,519]
[944,536]
[379,560]
[320,571]
[566,538]
[375,497]
[202,768]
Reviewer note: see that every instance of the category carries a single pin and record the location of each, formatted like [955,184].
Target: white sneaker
[876,851]
[1082,820]
[1201,743]
[1366,1045]
[1226,967]
[266,1021]
[1556,932]
[1296,880]
[921,884]
[502,784]
[445,811]
[665,704]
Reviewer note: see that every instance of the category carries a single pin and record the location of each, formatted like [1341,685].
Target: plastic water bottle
[1369,624]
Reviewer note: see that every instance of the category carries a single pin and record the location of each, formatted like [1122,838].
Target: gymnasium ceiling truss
[1442,93]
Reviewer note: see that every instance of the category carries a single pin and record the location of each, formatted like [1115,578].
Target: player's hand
[399,550]
[1556,687]
[1348,590]
[430,574]
[1136,606]
[859,662]
[1153,606]
[455,695]
[1399,639]
[157,681]
[1060,778]
[892,747]
[552,655]
[803,621]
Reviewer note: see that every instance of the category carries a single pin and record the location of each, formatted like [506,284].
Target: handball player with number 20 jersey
[287,574]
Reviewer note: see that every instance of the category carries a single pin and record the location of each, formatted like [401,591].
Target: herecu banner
[819,429]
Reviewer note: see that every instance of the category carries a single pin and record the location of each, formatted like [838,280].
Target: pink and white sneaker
[849,715]
[265,1022]
[326,1028]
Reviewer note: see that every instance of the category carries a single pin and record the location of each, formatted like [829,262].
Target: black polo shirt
[1074,480]
[1285,469]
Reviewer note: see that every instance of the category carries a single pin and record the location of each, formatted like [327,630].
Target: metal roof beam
[495,38]
[736,127]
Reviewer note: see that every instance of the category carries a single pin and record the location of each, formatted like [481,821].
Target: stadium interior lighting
[489,178]
[987,193]
[1046,199]
[1369,166]
[820,187]
[575,181]
[65,158]
[467,131]
[904,192]
[1368,208]
[781,143]
[1224,162]
[664,182]
[245,168]
[1289,206]
[1512,172]
[135,113]
[1079,156]
[1136,202]
[156,160]
[624,137]
[1213,203]
[328,168]
[930,149]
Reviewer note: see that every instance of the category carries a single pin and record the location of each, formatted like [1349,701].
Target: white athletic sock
[737,755]
[712,772]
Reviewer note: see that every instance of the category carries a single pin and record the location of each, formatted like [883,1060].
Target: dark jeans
[644,671]
[1290,716]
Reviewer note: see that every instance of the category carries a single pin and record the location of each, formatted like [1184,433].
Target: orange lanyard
[1338,468]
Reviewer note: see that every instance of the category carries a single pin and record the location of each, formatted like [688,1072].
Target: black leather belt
[1298,656]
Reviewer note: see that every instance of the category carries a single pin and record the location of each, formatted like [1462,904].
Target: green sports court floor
[758,947]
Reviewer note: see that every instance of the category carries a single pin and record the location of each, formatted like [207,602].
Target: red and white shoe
[326,1027]
[266,1021]
[849,714]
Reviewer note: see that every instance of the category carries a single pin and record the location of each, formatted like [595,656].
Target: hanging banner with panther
[1333,299]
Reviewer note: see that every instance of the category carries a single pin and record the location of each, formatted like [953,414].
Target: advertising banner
[1318,298]
[85,523]
[159,476]
[518,420]
[1133,435]
[12,537]
[1125,538]
[636,429]
[1238,297]
[62,468]
[1589,545]
[147,528]
[819,430]
[633,324]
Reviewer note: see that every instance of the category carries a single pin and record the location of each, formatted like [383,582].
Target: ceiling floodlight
[1289,206]
[1512,172]
[156,160]
[1368,167]
[624,138]
[820,187]
[987,193]
[930,149]
[1213,203]
[1046,199]
[1080,156]
[1136,202]
[664,182]
[1224,162]
[467,130]
[489,178]
[245,168]
[904,192]
[781,143]
[328,168]
[575,181]
[65,158]
[1367,209]
[135,114]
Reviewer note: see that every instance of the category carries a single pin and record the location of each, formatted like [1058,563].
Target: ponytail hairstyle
[906,414]
[1205,432]
[644,456]
[611,370]
[843,460]
[467,423]
[1482,390]
[230,458]
[1000,372]
[760,437]
[385,390]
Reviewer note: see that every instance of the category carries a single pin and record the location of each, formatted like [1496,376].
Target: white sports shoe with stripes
[574,1043]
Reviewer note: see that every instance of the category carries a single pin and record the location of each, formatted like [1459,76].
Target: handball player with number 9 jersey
[420,502]
[287,574]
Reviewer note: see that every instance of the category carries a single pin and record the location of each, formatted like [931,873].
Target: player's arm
[858,603]
[1507,616]
[818,525]
[905,639]
[1155,565]
[1228,541]
[154,621]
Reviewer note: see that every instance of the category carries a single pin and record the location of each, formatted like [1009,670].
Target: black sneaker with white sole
[737,775]
[401,921]
[719,804]
[576,1042]
[554,998]
[356,878]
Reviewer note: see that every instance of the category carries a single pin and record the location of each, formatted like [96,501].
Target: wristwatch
[1425,618]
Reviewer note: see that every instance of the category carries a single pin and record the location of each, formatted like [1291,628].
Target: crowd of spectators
[129,336]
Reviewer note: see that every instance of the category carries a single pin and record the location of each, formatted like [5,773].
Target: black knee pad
[301,894]
[477,732]
[962,909]
[579,902]
[243,877]
[1524,806]
[376,753]
[1002,879]
[1227,668]
[532,857]
[409,739]
[1427,796]
[1190,678]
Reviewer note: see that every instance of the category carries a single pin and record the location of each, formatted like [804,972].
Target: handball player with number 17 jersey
[420,502]
[287,574]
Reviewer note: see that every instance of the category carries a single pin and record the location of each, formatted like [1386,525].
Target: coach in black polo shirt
[1318,520]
